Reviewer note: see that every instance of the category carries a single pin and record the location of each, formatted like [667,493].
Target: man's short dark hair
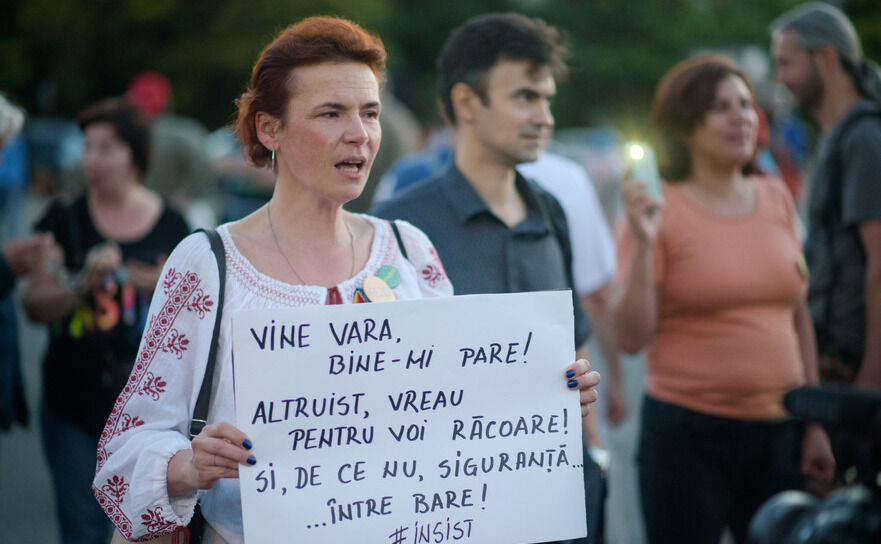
[481,42]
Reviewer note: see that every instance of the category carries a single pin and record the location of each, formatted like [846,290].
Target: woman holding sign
[715,288]
[311,114]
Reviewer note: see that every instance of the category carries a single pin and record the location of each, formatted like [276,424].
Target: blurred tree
[58,55]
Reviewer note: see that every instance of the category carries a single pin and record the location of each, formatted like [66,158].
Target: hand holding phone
[644,168]
[641,192]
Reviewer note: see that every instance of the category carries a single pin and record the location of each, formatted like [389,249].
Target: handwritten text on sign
[432,421]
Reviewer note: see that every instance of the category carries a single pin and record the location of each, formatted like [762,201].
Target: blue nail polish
[572,383]
[247,444]
[252,460]
[570,373]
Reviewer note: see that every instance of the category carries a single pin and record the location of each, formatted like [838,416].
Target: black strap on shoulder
[836,164]
[560,226]
[833,212]
[397,232]
[200,412]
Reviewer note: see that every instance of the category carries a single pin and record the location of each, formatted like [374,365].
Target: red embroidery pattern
[432,275]
[201,303]
[298,295]
[178,288]
[153,385]
[177,343]
[273,289]
[156,524]
[129,422]
[114,512]
[159,325]
[171,277]
[333,296]
[437,261]
[116,487]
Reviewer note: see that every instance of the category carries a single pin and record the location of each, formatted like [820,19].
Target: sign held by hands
[425,421]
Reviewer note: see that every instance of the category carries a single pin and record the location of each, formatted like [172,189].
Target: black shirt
[482,254]
[92,349]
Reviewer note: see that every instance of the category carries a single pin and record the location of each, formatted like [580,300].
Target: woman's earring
[273,161]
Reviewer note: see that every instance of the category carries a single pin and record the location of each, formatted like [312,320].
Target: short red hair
[311,41]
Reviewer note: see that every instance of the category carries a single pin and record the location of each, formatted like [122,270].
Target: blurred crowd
[204,173]
[734,280]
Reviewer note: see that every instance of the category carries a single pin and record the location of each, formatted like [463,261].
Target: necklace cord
[290,265]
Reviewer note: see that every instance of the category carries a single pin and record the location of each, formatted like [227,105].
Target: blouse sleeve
[150,420]
[432,277]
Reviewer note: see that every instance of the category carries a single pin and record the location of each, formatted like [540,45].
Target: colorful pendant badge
[360,297]
[390,275]
[379,288]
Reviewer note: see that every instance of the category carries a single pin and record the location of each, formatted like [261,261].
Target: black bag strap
[200,412]
[833,212]
[836,164]
[400,240]
[560,225]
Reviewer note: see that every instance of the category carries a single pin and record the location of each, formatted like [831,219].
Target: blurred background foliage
[58,55]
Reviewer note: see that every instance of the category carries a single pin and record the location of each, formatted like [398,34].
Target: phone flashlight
[644,168]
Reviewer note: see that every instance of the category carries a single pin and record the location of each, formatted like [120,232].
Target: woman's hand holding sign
[217,452]
[579,376]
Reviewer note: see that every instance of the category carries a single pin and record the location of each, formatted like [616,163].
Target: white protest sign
[436,420]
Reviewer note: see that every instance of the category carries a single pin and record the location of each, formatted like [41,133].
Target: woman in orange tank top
[713,286]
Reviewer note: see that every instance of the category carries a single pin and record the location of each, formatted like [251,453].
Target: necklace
[290,265]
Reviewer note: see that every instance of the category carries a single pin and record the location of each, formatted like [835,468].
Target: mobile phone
[644,168]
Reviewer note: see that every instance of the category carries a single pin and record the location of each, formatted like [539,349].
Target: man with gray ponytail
[818,57]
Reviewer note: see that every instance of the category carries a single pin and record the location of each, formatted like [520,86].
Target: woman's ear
[267,130]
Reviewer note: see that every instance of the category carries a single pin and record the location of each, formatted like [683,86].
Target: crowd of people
[713,278]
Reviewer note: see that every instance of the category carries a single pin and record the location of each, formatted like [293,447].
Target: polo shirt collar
[463,199]
[466,203]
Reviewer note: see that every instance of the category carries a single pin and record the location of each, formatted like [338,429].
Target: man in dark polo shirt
[494,230]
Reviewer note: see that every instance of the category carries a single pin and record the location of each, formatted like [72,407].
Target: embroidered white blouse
[150,421]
